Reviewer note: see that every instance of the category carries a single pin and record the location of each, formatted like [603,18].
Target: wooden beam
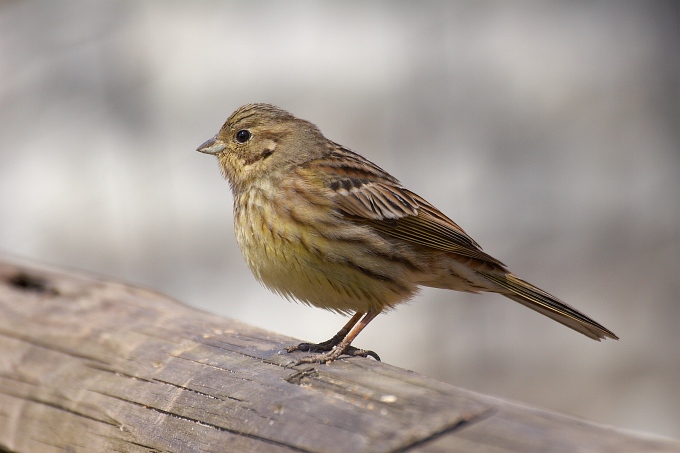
[93,365]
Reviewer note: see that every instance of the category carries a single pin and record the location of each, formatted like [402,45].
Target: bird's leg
[328,344]
[344,346]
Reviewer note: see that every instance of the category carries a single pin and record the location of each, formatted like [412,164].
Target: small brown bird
[321,224]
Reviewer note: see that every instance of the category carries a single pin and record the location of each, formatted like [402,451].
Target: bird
[320,224]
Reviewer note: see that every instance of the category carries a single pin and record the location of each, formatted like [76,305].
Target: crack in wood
[300,376]
[63,409]
[251,356]
[463,422]
[49,346]
[161,381]
[187,389]
[220,368]
[215,427]
[234,373]
[108,369]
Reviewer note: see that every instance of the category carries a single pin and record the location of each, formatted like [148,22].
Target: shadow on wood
[92,365]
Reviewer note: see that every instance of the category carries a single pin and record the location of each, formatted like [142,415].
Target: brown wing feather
[433,229]
[372,196]
[372,200]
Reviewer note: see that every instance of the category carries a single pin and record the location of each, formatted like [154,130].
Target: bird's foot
[324,346]
[331,352]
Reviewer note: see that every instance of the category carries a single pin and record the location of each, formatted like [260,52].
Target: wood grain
[93,365]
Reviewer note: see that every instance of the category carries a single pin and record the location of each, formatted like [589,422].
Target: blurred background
[549,131]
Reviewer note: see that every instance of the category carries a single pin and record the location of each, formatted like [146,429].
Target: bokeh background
[549,130]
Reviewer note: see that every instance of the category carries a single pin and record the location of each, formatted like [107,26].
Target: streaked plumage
[321,224]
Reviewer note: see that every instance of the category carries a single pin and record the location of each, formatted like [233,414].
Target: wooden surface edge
[93,365]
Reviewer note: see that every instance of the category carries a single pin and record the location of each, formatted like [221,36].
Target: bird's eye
[243,136]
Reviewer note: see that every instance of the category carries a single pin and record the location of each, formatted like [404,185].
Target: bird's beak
[212,146]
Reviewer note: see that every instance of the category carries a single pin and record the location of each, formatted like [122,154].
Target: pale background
[549,131]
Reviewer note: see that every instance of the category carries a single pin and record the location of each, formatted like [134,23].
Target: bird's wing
[395,211]
[370,195]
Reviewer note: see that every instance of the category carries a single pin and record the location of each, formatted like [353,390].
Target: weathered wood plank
[92,365]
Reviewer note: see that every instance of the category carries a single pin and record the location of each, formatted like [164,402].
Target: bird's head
[262,141]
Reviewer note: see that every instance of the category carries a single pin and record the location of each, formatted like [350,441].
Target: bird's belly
[321,272]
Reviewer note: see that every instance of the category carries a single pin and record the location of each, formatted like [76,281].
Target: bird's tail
[535,298]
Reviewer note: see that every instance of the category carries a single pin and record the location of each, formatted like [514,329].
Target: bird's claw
[331,352]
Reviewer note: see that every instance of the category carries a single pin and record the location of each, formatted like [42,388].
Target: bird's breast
[307,252]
